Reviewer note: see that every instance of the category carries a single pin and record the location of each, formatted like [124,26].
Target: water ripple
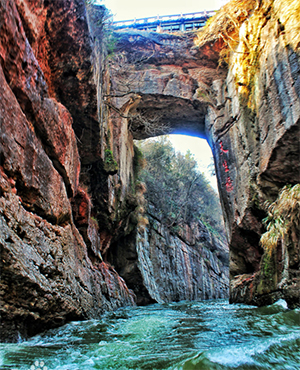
[210,335]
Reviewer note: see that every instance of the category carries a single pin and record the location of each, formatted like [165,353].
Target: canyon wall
[67,174]
[255,137]
[190,265]
[164,266]
[69,111]
[154,86]
[51,265]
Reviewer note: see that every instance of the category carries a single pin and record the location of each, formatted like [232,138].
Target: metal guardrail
[179,22]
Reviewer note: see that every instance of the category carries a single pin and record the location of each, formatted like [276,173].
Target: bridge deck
[175,22]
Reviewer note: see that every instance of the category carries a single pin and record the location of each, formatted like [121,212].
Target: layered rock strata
[51,266]
[66,168]
[255,135]
[161,266]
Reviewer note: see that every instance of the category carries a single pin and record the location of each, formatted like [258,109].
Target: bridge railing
[156,20]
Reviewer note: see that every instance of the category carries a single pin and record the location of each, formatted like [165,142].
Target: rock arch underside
[69,112]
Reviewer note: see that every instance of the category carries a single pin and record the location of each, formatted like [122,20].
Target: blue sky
[201,151]
[130,9]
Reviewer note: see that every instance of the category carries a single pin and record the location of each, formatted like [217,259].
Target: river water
[210,335]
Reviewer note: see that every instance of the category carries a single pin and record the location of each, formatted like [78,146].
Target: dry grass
[283,217]
[142,223]
[280,19]
[225,25]
[241,31]
[224,33]
[288,12]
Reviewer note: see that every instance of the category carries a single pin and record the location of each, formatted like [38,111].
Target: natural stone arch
[160,79]
[166,114]
[171,82]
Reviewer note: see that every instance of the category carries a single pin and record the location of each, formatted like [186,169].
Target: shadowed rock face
[191,265]
[161,266]
[51,265]
[160,82]
[256,149]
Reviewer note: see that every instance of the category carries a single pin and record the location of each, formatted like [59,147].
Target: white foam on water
[246,353]
[281,303]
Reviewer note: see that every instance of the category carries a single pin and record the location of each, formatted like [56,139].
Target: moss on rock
[110,164]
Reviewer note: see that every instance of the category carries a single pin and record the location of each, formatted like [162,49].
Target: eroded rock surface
[189,266]
[161,265]
[51,272]
[159,81]
[47,277]
[255,136]
[68,117]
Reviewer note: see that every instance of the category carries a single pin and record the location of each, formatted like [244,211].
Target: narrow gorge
[73,98]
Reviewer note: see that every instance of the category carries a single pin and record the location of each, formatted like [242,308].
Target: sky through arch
[200,149]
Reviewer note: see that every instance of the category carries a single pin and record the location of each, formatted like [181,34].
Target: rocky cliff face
[68,117]
[155,80]
[51,266]
[190,265]
[164,266]
[255,136]
[66,163]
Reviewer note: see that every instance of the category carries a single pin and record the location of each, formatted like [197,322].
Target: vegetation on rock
[101,19]
[176,188]
[283,218]
[239,30]
[224,26]
[110,164]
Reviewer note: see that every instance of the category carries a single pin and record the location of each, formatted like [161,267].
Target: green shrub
[283,217]
[110,164]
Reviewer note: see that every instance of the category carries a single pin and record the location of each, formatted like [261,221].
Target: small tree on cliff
[283,220]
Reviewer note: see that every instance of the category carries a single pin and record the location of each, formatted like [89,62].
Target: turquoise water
[210,335]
